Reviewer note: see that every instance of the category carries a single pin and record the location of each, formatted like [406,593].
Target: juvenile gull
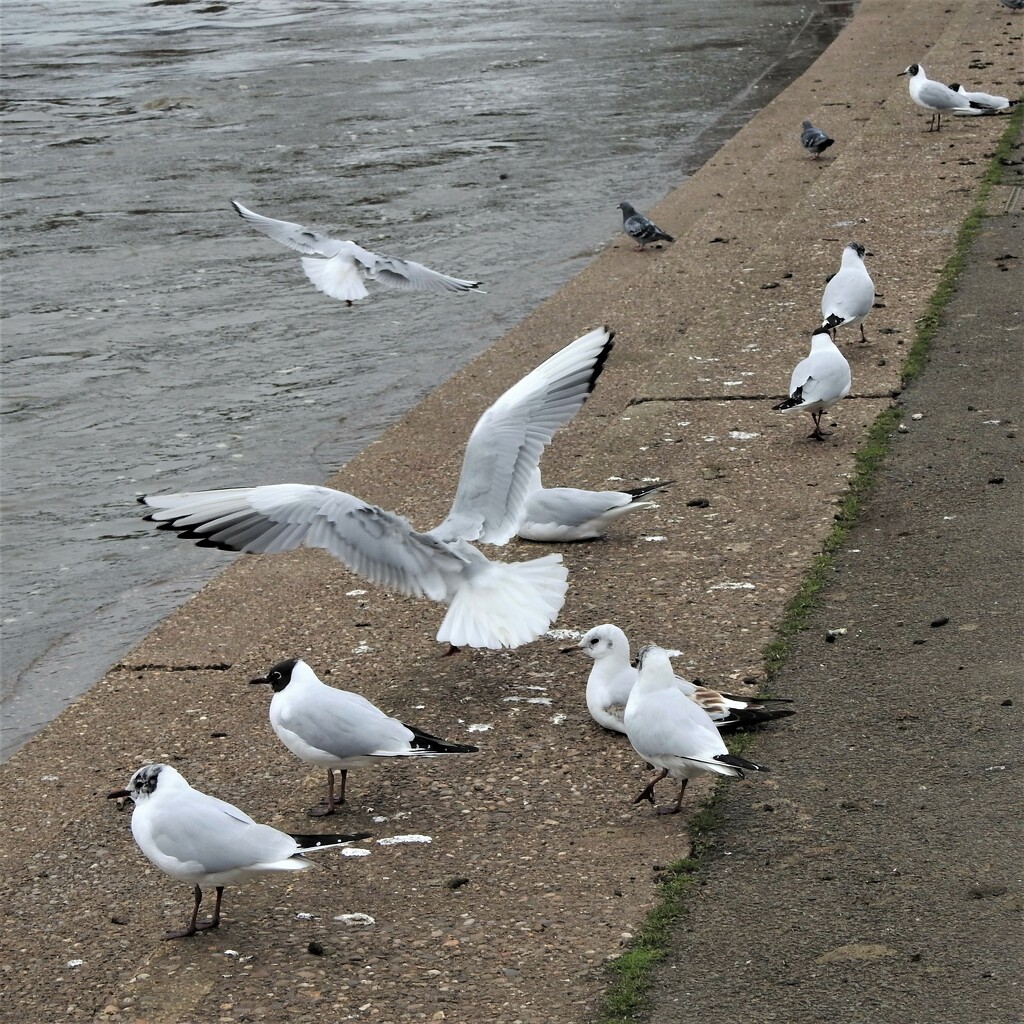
[613,676]
[814,140]
[850,293]
[671,732]
[337,729]
[339,268]
[819,381]
[490,604]
[206,841]
[554,514]
[938,98]
[640,229]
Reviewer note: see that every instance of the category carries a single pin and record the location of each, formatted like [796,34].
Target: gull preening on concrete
[640,229]
[814,140]
[555,514]
[984,99]
[613,676]
[490,604]
[850,293]
[938,98]
[671,732]
[339,268]
[206,841]
[819,381]
[337,729]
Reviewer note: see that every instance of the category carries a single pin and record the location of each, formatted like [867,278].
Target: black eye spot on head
[145,779]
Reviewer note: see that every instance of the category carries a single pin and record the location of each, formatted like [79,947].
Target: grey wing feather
[295,236]
[199,829]
[569,506]
[346,725]
[409,275]
[378,545]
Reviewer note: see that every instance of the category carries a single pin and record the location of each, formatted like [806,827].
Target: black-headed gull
[938,98]
[640,229]
[206,841]
[985,99]
[819,381]
[612,678]
[555,514]
[338,729]
[339,268]
[850,293]
[490,604]
[671,732]
[814,140]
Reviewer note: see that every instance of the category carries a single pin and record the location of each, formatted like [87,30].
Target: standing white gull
[555,514]
[938,98]
[613,676]
[814,140]
[669,731]
[850,293]
[337,729]
[491,604]
[339,268]
[640,229]
[206,841]
[819,381]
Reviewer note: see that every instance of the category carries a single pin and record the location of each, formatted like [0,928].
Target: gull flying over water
[850,293]
[671,732]
[339,268]
[206,841]
[490,604]
[814,140]
[640,229]
[337,729]
[938,98]
[613,676]
[819,381]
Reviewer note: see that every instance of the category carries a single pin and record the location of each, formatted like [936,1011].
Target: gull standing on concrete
[850,293]
[339,268]
[814,140]
[938,98]
[985,99]
[612,678]
[490,604]
[337,729]
[819,381]
[640,229]
[206,841]
[555,514]
[671,732]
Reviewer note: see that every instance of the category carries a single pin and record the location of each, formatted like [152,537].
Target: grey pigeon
[640,229]
[814,140]
[1014,5]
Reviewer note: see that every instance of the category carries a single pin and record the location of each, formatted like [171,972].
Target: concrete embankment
[539,865]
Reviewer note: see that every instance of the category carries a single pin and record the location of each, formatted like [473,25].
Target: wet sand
[559,866]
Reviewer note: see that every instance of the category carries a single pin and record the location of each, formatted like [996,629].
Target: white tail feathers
[505,604]
[336,277]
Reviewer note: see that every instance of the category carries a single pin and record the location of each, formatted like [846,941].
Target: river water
[152,341]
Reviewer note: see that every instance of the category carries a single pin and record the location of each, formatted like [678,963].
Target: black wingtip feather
[602,358]
[311,842]
[426,741]
[735,761]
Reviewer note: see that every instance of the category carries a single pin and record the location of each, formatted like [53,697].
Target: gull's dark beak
[259,679]
[118,794]
[575,649]
[901,74]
